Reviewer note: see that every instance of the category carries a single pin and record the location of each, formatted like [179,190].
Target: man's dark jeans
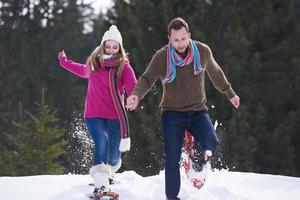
[174,125]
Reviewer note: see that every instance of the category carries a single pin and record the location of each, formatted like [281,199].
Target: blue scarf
[174,60]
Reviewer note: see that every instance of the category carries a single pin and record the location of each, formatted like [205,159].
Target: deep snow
[221,185]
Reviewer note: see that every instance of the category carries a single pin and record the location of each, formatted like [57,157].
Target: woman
[109,74]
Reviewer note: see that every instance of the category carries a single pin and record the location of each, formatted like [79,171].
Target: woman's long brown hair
[95,60]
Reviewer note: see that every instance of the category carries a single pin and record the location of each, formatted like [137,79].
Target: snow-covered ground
[221,185]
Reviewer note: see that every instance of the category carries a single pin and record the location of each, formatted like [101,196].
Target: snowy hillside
[221,185]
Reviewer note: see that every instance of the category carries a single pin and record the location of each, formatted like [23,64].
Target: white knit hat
[112,34]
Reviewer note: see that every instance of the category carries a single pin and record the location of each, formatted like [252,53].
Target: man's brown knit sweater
[187,91]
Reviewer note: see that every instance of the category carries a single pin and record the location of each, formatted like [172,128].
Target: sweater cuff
[136,94]
[229,92]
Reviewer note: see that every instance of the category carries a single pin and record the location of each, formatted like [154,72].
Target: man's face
[180,39]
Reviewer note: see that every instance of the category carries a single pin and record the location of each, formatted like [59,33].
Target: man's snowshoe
[195,162]
[199,159]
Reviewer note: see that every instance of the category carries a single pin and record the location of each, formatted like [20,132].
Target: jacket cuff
[62,60]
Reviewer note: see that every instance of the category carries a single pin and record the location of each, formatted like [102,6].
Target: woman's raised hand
[62,54]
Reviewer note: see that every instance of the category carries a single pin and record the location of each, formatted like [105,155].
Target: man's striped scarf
[174,60]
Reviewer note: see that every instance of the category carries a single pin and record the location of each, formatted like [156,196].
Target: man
[181,66]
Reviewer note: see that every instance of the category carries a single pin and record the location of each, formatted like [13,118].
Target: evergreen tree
[37,144]
[31,35]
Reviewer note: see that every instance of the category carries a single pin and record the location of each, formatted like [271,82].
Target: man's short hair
[176,24]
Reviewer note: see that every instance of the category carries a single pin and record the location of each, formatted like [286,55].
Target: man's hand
[132,102]
[235,101]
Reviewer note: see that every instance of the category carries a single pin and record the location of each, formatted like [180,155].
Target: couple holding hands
[181,67]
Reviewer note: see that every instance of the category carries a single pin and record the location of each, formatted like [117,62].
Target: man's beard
[182,50]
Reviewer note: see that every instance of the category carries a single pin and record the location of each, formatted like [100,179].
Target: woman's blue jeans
[174,125]
[106,136]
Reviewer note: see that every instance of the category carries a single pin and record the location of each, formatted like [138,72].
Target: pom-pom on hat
[112,34]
